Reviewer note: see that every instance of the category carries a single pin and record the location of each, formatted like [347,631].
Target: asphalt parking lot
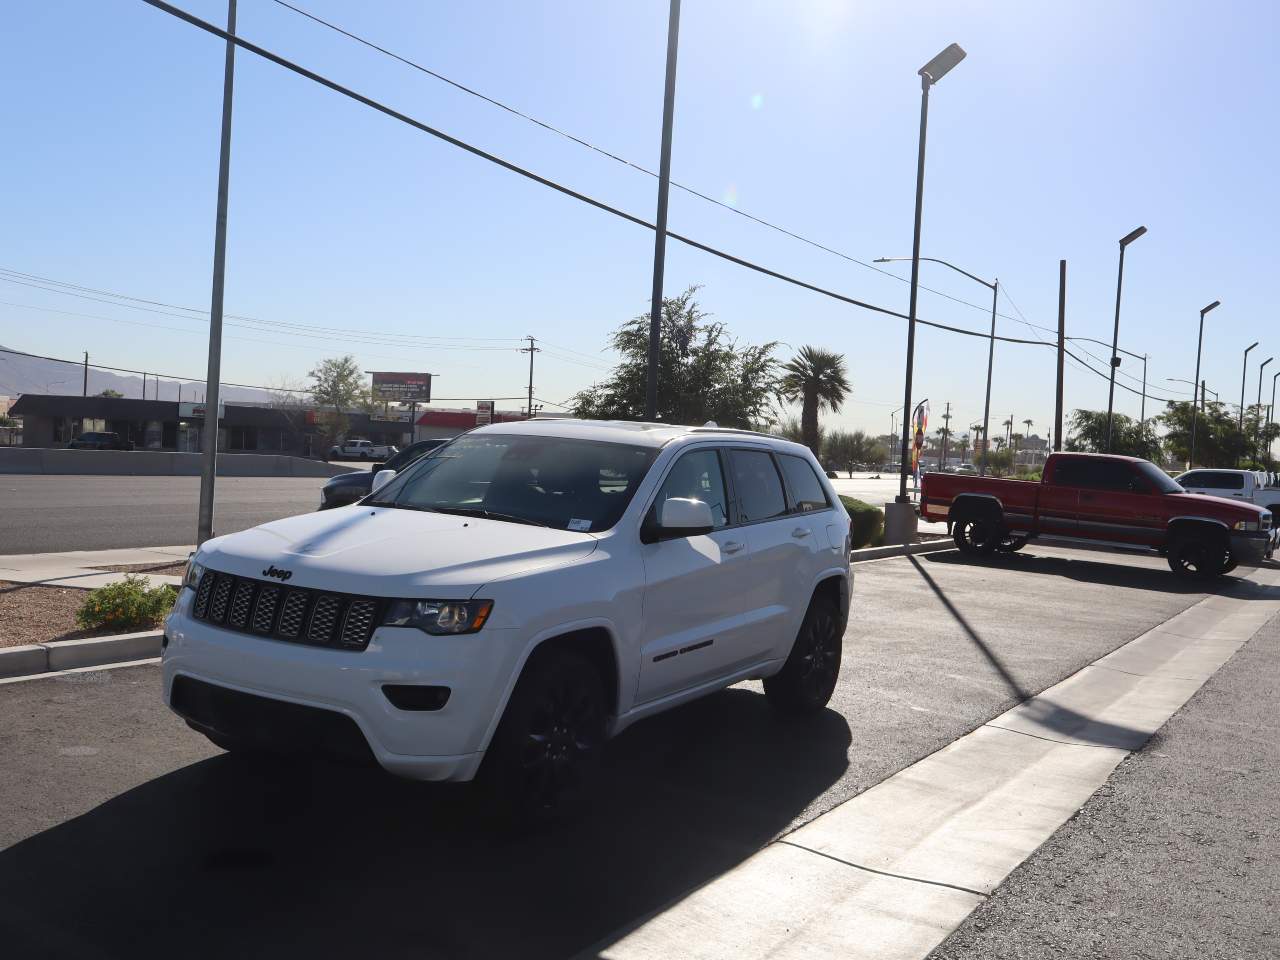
[122,833]
[50,514]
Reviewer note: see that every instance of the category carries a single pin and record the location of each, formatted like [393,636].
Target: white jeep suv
[514,598]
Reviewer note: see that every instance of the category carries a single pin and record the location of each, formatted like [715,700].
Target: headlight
[191,576]
[438,616]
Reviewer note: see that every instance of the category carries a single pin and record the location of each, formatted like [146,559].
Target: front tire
[545,753]
[807,680]
[1197,558]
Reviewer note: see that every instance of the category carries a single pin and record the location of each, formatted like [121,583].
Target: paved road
[48,514]
[1175,857]
[126,833]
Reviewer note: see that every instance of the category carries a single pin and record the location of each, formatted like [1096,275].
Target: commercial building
[296,430]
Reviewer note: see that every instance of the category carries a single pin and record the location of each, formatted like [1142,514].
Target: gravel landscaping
[33,614]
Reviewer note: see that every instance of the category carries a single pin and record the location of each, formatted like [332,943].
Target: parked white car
[361,450]
[1247,485]
[514,598]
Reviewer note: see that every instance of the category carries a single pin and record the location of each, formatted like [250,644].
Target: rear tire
[807,680]
[1198,558]
[544,756]
[975,536]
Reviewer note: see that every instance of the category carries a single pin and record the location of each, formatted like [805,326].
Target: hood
[1243,511]
[382,551]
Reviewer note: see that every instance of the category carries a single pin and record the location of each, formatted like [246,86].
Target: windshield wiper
[488,515]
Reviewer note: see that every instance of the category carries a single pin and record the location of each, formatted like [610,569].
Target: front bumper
[429,744]
[1251,549]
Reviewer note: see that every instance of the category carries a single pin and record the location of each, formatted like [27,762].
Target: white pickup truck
[1247,485]
[353,449]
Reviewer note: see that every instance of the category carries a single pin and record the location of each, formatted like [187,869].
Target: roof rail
[734,430]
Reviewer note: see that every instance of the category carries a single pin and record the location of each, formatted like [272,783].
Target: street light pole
[930,73]
[1244,374]
[1195,411]
[1271,409]
[1255,432]
[1115,335]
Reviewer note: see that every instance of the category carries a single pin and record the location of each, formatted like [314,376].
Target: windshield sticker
[579,524]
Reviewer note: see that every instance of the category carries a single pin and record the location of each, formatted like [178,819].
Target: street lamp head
[883,260]
[1125,241]
[1216,303]
[941,65]
[1251,346]
[1264,363]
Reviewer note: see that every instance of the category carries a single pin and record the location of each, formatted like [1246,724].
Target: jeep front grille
[318,618]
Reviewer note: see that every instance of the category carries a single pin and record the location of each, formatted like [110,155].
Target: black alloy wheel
[1198,558]
[975,536]
[544,755]
[808,678]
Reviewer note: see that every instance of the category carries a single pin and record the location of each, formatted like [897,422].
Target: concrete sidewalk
[79,568]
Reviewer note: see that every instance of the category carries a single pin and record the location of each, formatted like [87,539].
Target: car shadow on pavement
[1084,570]
[225,858]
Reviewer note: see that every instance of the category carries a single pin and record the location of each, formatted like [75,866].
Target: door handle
[800,532]
[733,546]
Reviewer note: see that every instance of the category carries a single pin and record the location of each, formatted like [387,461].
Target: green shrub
[866,526]
[125,605]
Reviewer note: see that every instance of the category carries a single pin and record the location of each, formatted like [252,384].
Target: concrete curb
[900,550]
[36,658]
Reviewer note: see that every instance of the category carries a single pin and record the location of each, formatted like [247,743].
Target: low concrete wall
[157,463]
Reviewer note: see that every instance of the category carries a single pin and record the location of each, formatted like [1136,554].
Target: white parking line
[890,873]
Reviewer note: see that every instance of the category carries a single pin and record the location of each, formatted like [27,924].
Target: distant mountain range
[21,374]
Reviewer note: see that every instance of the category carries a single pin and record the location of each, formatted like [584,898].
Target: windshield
[582,485]
[1160,481]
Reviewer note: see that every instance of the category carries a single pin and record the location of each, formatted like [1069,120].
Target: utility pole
[85,391]
[946,432]
[1062,348]
[213,380]
[660,221]
[530,350]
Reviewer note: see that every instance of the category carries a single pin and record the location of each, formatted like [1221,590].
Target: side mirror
[380,479]
[681,517]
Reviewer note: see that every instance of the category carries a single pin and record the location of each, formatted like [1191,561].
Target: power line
[616,157]
[526,173]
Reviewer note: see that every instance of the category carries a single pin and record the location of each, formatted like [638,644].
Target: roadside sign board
[401,387]
[484,412]
[392,416]
[191,410]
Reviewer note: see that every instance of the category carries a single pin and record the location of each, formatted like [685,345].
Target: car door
[779,580]
[1117,504]
[696,609]
[1059,501]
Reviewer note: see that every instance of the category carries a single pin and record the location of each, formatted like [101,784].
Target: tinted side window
[757,485]
[697,476]
[1218,481]
[1097,474]
[806,489]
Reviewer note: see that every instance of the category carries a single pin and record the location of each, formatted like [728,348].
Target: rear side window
[806,489]
[1093,474]
[757,485]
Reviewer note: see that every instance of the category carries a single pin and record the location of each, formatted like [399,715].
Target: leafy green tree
[703,373]
[818,380]
[1219,440]
[110,393]
[337,384]
[1129,437]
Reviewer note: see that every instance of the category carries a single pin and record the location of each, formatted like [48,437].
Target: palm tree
[817,378]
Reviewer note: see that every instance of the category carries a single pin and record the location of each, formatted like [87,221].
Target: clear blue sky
[1067,126]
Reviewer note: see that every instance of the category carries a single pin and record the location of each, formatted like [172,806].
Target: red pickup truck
[1101,499]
